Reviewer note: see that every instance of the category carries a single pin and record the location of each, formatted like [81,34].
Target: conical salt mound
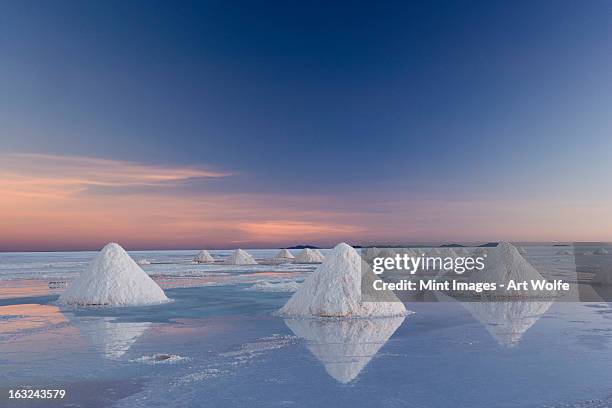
[345,347]
[203,257]
[503,264]
[309,256]
[334,290]
[601,251]
[113,279]
[563,252]
[240,257]
[284,254]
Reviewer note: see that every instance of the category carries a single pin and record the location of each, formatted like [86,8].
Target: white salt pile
[113,279]
[284,254]
[601,251]
[309,256]
[144,262]
[240,257]
[563,252]
[203,257]
[334,290]
[503,264]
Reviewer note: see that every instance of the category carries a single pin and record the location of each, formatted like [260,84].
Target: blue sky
[467,101]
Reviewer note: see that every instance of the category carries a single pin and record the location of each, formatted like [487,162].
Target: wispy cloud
[51,175]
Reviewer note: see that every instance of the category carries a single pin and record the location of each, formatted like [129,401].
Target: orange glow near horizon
[54,202]
[50,202]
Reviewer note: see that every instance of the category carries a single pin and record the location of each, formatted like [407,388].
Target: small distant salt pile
[504,263]
[284,255]
[240,257]
[144,262]
[309,256]
[334,290]
[113,279]
[203,257]
[601,251]
[563,252]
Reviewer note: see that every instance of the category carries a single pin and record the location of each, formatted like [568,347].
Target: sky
[214,124]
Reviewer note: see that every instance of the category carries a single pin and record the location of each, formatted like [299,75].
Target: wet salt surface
[226,348]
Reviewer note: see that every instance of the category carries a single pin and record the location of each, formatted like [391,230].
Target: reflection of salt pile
[144,262]
[284,255]
[113,279]
[508,321]
[309,256]
[203,257]
[240,257]
[345,347]
[334,290]
[503,264]
[112,339]
[601,251]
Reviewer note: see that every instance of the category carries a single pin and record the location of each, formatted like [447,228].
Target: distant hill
[302,247]
[488,245]
[452,246]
